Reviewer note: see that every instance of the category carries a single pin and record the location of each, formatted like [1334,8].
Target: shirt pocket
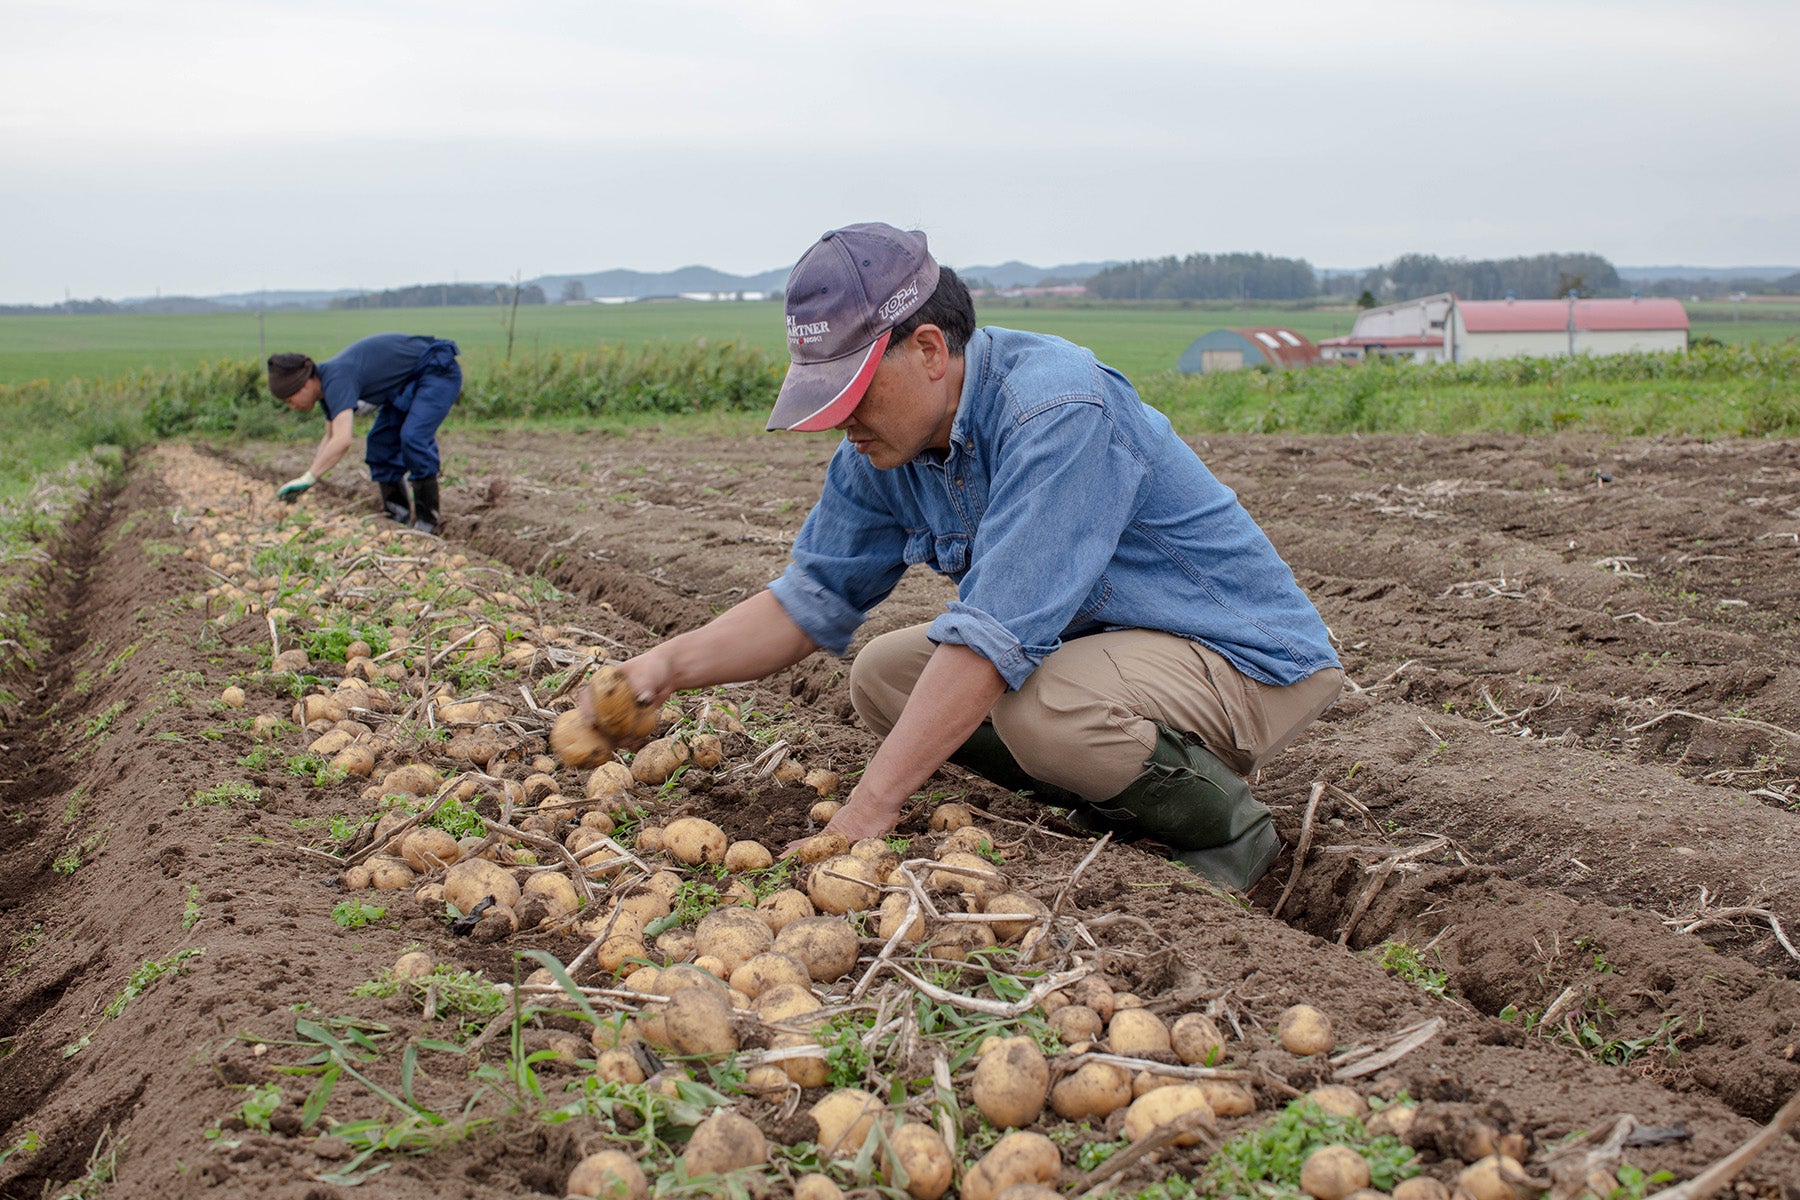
[947,554]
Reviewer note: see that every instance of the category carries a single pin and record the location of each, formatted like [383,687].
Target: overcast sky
[209,146]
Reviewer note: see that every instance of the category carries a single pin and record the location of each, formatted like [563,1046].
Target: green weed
[354,914]
[1405,962]
[100,723]
[1264,1163]
[229,794]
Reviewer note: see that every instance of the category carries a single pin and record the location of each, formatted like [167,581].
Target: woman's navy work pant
[403,440]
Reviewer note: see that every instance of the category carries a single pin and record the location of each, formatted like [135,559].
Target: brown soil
[1575,662]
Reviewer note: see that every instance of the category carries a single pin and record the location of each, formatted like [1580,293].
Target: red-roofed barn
[1482,329]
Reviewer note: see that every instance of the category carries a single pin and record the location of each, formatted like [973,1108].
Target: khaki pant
[1086,719]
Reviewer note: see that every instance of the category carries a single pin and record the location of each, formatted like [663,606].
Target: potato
[894,908]
[618,1065]
[694,840]
[658,761]
[779,909]
[1420,1187]
[919,1152]
[759,974]
[1018,1157]
[807,1070]
[1395,1119]
[1135,1033]
[946,818]
[1166,1104]
[413,779]
[843,883]
[683,976]
[878,854]
[974,876]
[389,874]
[1076,1023]
[955,943]
[469,881]
[619,950]
[816,1187]
[1028,1191]
[1011,1082]
[784,1001]
[733,935]
[610,779]
[611,1175]
[577,743]
[539,787]
[707,750]
[712,964]
[427,848]
[329,743]
[1333,1172]
[643,907]
[1094,1091]
[1340,1101]
[557,891]
[698,1021]
[725,1142]
[232,697]
[1496,1177]
[845,1118]
[617,712]
[1228,1099]
[1007,903]
[1304,1030]
[789,771]
[1195,1039]
[747,856]
[822,846]
[667,884]
[414,964]
[968,840]
[1145,1082]
[827,945]
[1096,994]
[824,810]
[766,1081]
[354,760]
[821,781]
[738,894]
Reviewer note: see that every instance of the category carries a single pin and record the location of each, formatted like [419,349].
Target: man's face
[904,412]
[308,395]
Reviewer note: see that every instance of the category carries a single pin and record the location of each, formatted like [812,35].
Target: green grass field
[1138,341]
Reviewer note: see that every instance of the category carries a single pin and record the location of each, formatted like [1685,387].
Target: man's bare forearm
[751,639]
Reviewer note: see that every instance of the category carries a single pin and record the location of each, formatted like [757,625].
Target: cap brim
[817,396]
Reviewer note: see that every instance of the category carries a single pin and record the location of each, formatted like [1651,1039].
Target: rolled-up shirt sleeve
[847,558]
[1064,488]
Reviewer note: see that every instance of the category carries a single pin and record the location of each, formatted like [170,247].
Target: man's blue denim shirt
[1064,506]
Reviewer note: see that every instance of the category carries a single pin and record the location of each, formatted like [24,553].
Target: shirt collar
[974,366]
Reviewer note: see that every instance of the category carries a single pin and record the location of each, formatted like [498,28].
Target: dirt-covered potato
[821,846]
[1093,993]
[1496,1177]
[843,883]
[576,742]
[747,856]
[695,840]
[389,874]
[1228,1099]
[618,1065]
[894,908]
[413,779]
[1333,1172]
[1145,1082]
[969,839]
[609,780]
[1011,1082]
[921,1155]
[779,909]
[827,945]
[617,712]
[707,750]
[414,964]
[1076,1023]
[955,943]
[948,817]
[816,1187]
[427,848]
[620,950]
[1304,1030]
[1195,1039]
[1135,1033]
[1340,1101]
[806,1070]
[1019,1157]
[1008,903]
[658,761]
[1395,1119]
[757,975]
[877,853]
[354,760]
[732,935]
[725,1142]
[821,781]
[698,1021]
[472,880]
[1420,1187]
[973,875]
[785,1000]
[556,889]
[845,1118]
[1165,1104]
[610,1175]
[824,810]
[1095,1091]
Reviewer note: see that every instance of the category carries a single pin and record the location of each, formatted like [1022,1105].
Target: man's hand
[291,490]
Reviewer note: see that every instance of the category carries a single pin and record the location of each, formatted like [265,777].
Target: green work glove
[290,491]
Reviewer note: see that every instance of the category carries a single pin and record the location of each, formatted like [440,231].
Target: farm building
[1413,329]
[1236,349]
[1442,328]
[1482,329]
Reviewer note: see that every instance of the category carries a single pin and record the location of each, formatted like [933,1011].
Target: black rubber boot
[986,755]
[425,505]
[394,502]
[1200,808]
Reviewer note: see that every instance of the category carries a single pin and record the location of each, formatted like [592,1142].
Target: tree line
[443,295]
[1235,277]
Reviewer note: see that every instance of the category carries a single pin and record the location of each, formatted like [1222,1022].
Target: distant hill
[1017,274]
[1645,274]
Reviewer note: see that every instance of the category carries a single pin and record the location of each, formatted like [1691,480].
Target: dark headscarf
[288,373]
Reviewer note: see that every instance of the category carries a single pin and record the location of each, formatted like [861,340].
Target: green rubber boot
[1200,808]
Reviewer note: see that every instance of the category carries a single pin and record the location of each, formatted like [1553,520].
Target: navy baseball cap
[844,298]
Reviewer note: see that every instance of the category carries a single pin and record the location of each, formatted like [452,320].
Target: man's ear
[934,350]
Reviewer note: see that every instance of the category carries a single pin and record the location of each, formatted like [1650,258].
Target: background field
[1138,341]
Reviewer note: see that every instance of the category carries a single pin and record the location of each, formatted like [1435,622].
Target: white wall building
[1442,328]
